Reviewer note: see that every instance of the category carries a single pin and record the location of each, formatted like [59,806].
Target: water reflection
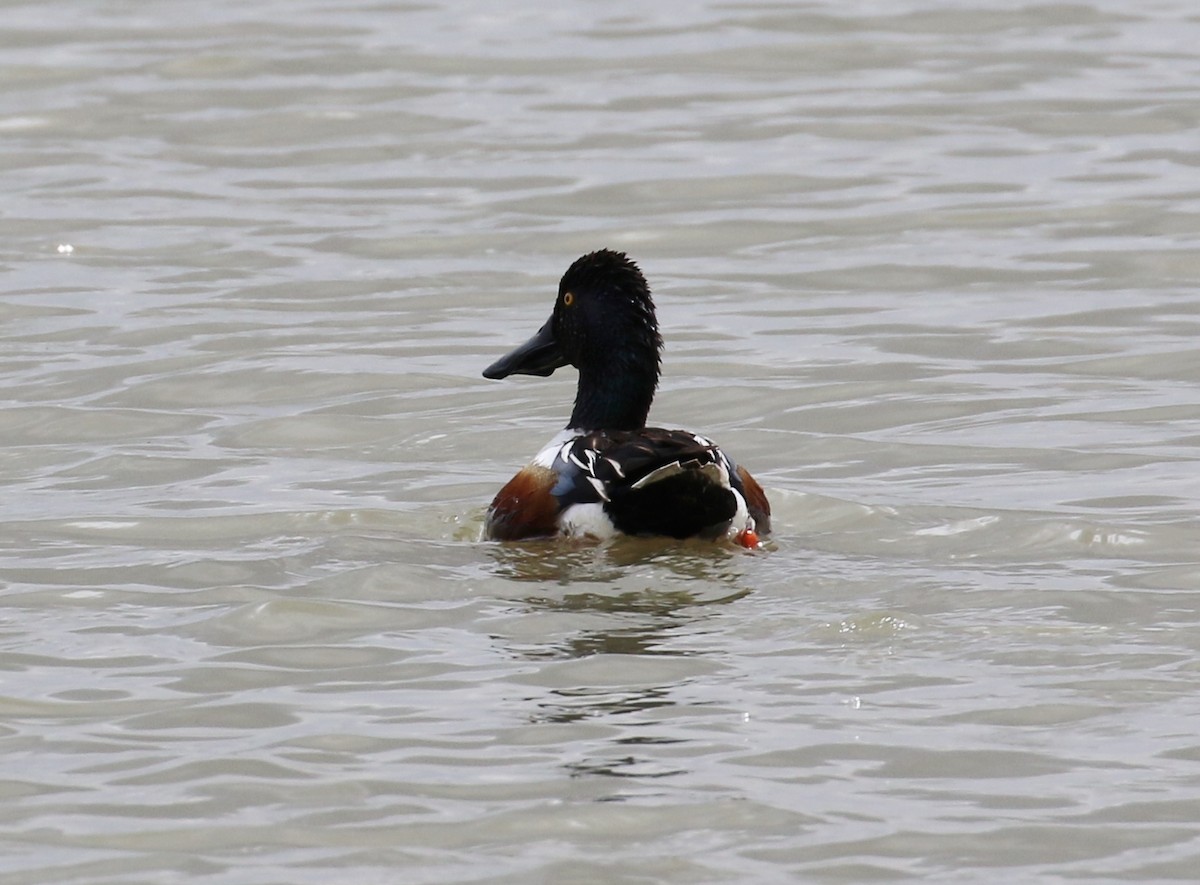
[576,704]
[637,722]
[626,766]
[566,562]
[619,631]
[632,622]
[641,592]
[652,602]
[630,641]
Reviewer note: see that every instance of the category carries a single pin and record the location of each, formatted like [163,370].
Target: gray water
[929,269]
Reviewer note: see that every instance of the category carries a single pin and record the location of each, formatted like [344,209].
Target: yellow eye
[568,299]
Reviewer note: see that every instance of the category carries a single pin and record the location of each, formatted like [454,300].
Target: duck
[607,473]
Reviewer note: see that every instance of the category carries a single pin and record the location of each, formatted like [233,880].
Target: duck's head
[603,324]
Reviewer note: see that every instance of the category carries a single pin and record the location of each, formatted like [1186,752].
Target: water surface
[927,268]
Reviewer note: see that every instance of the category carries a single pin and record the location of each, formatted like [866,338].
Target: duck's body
[633,482]
[608,473]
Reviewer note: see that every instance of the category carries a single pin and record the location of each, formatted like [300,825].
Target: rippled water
[928,268]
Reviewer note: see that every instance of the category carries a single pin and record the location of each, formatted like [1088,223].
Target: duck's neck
[614,398]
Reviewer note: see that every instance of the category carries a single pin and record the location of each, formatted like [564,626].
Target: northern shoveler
[609,473]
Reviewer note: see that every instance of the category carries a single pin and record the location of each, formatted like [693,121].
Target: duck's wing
[641,482]
[655,481]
